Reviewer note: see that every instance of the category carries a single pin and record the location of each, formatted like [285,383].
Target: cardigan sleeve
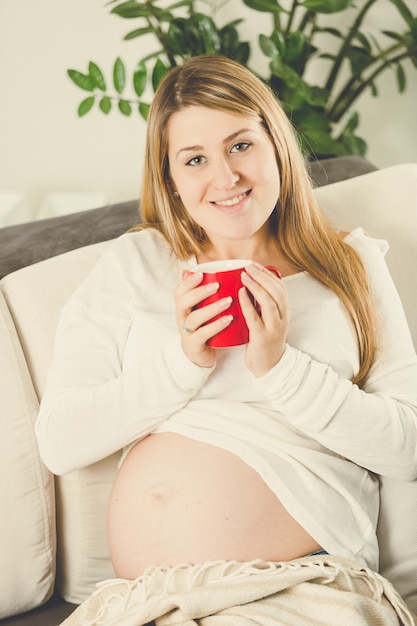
[375,427]
[96,401]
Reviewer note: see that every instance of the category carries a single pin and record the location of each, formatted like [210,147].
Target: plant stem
[346,90]
[152,55]
[346,43]
[160,35]
[309,16]
[277,22]
[291,16]
[342,105]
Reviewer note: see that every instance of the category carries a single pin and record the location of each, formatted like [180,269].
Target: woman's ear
[171,188]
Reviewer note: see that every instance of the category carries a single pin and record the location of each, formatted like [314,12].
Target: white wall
[45,147]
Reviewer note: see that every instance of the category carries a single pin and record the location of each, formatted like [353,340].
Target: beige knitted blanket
[311,591]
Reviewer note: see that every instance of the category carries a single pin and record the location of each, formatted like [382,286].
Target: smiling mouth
[232,201]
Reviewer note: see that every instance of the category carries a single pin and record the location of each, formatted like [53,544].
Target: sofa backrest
[384,203]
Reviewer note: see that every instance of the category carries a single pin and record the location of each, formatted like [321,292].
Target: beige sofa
[52,530]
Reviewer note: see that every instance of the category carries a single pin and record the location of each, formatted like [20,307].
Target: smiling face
[224,168]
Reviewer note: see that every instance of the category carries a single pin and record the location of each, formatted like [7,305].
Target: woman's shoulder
[127,260]
[146,238]
[144,245]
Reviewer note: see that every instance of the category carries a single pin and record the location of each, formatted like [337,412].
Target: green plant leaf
[193,36]
[316,96]
[119,75]
[242,53]
[401,80]
[327,55]
[403,10]
[139,32]
[125,107]
[351,143]
[359,60]
[231,47]
[311,119]
[330,31]
[327,6]
[352,122]
[83,81]
[229,41]
[279,40]
[315,133]
[181,3]
[267,45]
[393,35]
[286,73]
[234,23]
[356,146]
[96,76]
[144,110]
[158,73]
[131,9]
[413,29]
[176,37]
[86,106]
[265,6]
[105,105]
[207,33]
[374,90]
[139,78]
[296,45]
[364,41]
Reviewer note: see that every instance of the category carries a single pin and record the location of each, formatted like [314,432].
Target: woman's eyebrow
[188,149]
[225,140]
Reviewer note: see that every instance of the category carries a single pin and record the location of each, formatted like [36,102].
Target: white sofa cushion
[385,203]
[27,520]
[36,295]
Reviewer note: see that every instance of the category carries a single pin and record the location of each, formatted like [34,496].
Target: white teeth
[232,201]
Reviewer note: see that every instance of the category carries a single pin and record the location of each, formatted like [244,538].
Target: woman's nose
[224,176]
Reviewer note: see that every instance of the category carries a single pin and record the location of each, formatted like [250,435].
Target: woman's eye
[241,146]
[198,160]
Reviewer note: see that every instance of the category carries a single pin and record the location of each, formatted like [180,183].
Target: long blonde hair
[307,238]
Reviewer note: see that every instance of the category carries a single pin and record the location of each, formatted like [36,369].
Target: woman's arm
[116,375]
[375,427]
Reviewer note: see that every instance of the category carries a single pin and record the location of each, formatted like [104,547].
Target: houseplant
[323,114]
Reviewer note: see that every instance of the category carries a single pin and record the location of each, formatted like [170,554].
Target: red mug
[228,274]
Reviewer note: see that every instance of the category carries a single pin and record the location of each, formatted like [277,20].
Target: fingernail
[226,320]
[212,287]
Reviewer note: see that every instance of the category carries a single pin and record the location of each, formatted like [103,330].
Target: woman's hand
[268,321]
[194,324]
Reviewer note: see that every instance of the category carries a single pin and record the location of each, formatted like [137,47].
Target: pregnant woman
[238,465]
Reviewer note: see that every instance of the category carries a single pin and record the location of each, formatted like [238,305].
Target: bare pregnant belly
[176,500]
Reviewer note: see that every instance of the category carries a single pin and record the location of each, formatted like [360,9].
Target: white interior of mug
[222,266]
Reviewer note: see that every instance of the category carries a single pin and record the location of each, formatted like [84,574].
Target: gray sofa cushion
[25,244]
